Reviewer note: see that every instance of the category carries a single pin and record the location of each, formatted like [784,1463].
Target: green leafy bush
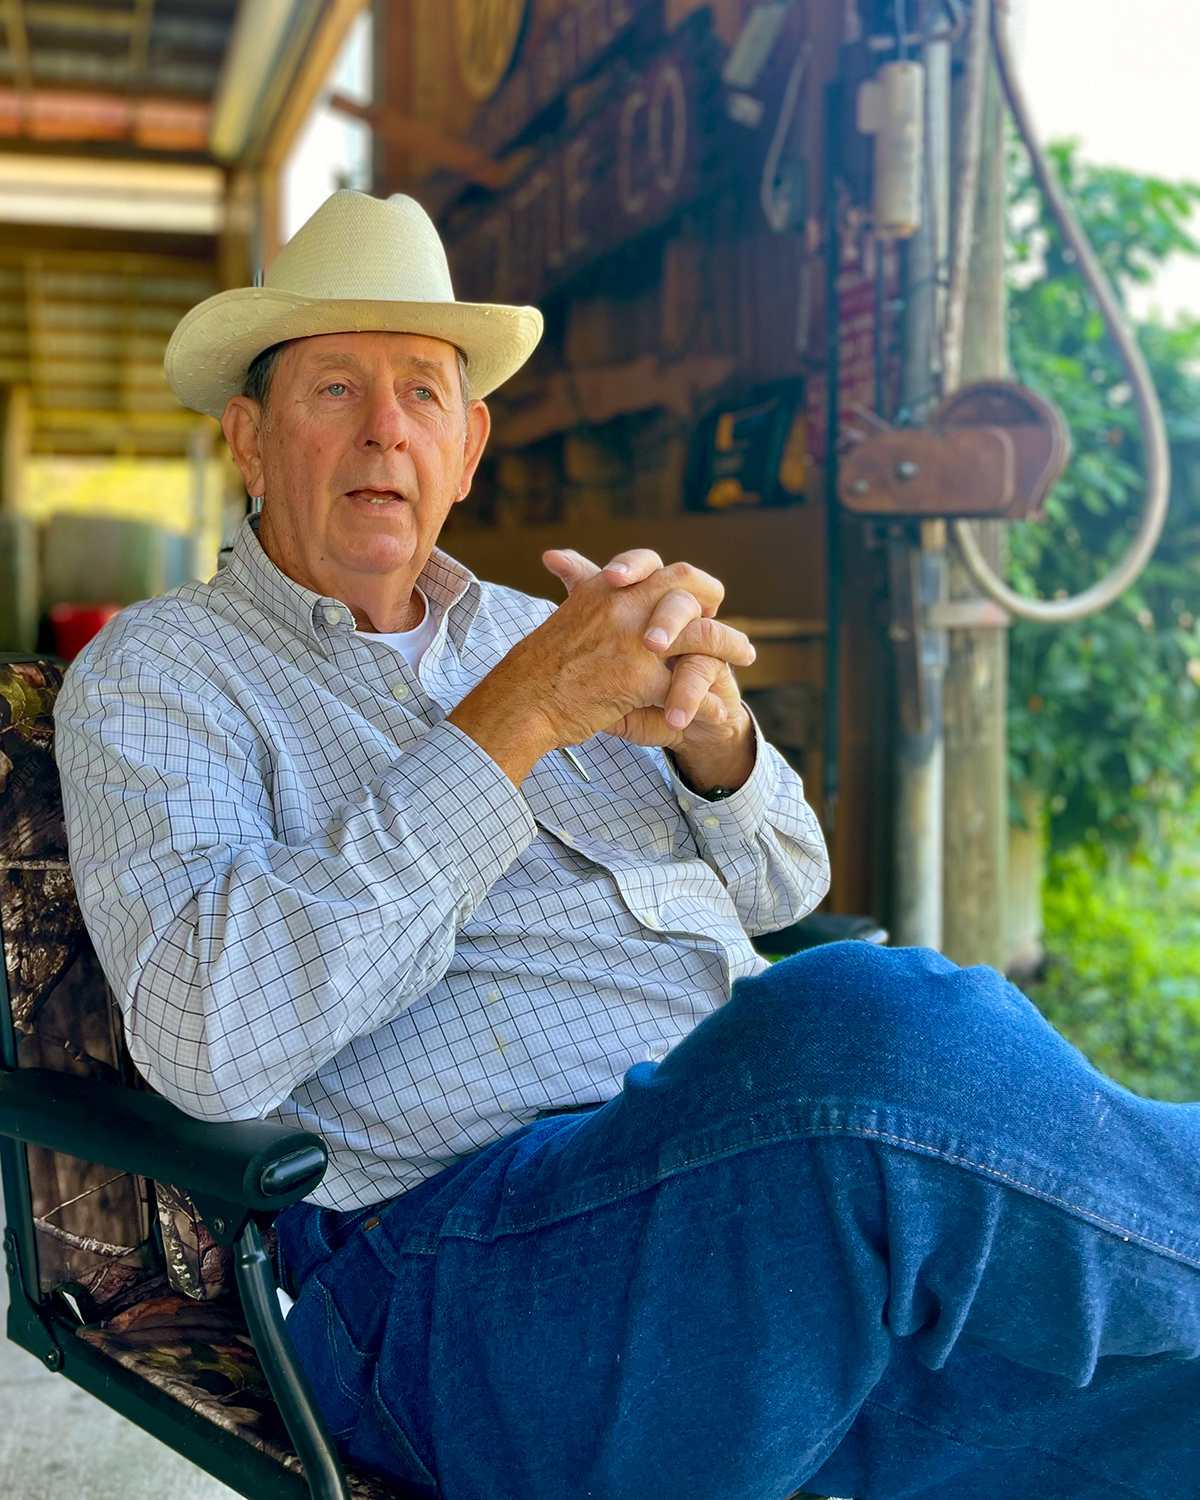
[1122,978]
[1103,713]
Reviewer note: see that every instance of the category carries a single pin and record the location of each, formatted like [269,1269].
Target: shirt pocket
[627,810]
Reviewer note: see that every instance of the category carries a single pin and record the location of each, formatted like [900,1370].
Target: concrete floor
[59,1443]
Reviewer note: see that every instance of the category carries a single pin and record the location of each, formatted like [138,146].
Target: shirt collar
[447,584]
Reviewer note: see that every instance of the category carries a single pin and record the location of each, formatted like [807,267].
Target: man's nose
[385,422]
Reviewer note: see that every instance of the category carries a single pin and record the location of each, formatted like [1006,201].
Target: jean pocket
[403,1461]
[340,1373]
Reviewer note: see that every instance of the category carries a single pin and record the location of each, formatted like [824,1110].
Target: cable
[1150,418]
[831,764]
[902,36]
[778,201]
[968,189]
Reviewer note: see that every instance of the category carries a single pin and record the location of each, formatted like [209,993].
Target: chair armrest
[250,1163]
[815,930]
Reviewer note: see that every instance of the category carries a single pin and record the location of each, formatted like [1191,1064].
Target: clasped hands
[634,650]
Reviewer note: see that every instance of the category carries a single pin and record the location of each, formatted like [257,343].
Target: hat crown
[360,248]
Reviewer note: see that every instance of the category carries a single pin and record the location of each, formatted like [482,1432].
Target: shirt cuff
[736,819]
[455,791]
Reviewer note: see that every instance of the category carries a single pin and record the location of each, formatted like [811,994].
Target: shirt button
[493,996]
[712,822]
[400,691]
[333,616]
[683,802]
[649,920]
[565,836]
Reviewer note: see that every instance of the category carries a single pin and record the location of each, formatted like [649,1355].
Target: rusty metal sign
[643,155]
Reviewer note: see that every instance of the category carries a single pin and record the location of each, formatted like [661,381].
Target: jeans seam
[978,1447]
[1025,1187]
[389,1419]
[1126,1232]
[331,1332]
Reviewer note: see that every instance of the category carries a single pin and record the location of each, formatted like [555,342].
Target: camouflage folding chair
[138,1239]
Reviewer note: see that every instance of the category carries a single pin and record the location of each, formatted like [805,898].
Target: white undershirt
[411,644]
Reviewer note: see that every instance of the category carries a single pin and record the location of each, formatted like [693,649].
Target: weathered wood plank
[652,147]
[598,395]
[772,562]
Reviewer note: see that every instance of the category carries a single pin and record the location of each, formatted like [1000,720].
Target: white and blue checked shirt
[317,900]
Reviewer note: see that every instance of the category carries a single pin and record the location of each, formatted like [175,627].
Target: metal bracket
[967,614]
[993,448]
[26,1325]
[224,1221]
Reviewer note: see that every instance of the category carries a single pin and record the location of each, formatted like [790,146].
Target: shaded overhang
[120,126]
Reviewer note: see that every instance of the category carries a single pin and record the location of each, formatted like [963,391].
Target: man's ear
[240,423]
[479,425]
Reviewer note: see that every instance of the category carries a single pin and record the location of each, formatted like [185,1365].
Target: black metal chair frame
[233,1172]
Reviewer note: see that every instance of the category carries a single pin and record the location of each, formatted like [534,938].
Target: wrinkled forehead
[401,351]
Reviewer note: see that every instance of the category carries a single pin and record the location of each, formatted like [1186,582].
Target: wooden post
[976,801]
[14,444]
[18,534]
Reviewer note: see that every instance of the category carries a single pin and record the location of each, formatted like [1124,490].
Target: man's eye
[423,393]
[336,389]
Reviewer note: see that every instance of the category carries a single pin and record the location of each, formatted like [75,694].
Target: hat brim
[216,343]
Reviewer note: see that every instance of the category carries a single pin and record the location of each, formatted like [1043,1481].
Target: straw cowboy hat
[358,265]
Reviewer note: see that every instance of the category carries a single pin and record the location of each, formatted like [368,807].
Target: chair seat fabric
[93,1229]
[201,1354]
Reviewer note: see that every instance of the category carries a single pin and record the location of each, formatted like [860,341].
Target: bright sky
[332,150]
[1124,77]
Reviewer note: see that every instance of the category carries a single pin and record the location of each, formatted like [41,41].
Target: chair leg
[288,1382]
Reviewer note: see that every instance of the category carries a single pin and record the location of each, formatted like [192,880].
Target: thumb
[571,568]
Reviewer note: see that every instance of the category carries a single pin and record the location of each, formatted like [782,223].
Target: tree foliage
[1104,712]
[1122,974]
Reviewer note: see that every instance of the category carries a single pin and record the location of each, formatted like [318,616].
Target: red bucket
[75,624]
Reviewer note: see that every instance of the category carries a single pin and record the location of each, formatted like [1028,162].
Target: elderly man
[463,881]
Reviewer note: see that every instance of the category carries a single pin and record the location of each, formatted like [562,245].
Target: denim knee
[843,1000]
[853,1020]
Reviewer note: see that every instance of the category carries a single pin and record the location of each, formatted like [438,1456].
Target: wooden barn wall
[653,321]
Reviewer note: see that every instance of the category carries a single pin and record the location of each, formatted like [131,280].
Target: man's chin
[379,550]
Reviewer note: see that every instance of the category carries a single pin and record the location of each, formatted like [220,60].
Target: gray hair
[261,375]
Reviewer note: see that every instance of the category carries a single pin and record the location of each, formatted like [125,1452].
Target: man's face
[360,452]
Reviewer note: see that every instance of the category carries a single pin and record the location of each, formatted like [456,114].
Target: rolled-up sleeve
[242,963]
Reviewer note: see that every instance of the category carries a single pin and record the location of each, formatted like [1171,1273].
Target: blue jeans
[874,1229]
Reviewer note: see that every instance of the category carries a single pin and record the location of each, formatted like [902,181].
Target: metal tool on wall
[976,456]
[992,449]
